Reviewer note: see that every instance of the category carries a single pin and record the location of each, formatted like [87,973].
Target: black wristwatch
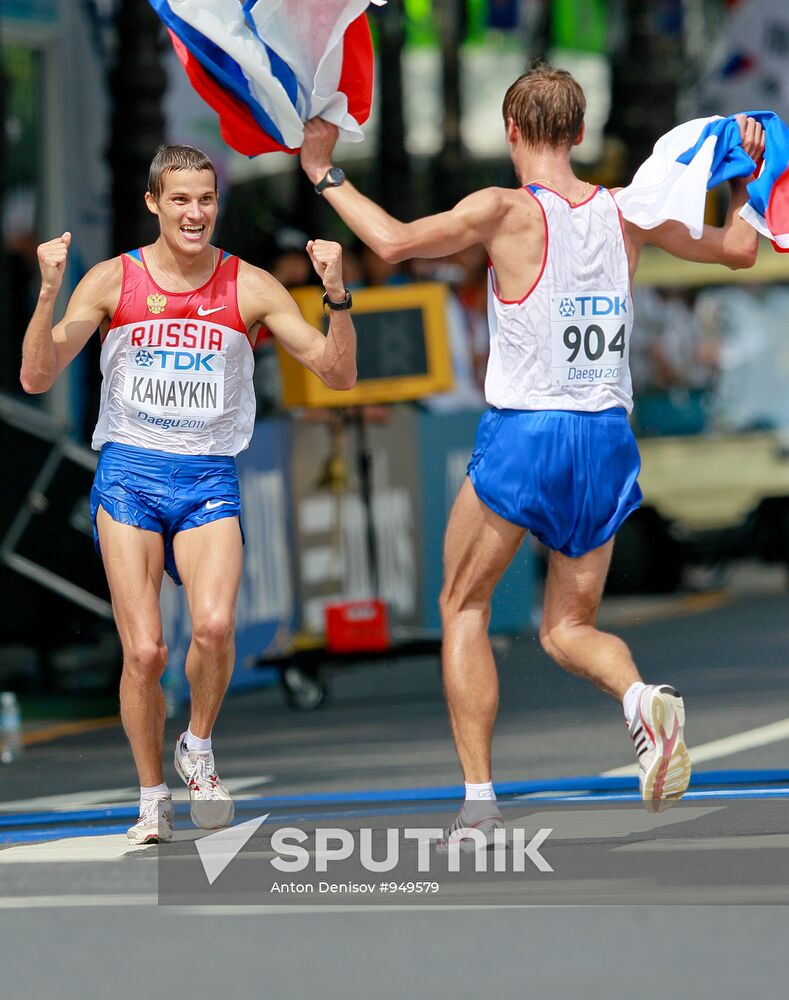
[333,177]
[346,303]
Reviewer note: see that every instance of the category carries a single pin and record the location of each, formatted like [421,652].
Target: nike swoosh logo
[211,504]
[202,311]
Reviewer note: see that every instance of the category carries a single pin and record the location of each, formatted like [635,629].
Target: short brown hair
[547,105]
[170,158]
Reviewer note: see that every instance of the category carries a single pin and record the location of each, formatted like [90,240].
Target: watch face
[336,176]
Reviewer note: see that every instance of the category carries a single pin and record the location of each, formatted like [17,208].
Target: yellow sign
[402,348]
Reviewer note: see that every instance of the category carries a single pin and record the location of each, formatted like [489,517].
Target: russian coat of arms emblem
[156,303]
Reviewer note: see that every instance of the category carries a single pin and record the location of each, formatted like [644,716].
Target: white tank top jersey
[177,367]
[565,344]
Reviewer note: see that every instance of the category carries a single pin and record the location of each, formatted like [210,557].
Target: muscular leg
[134,563]
[568,632]
[479,546]
[209,562]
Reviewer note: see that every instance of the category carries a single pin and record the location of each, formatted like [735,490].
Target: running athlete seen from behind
[178,319]
[555,454]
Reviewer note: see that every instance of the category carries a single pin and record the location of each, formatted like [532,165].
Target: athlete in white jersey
[554,455]
[580,304]
[178,319]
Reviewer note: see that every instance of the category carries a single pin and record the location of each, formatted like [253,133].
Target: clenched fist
[52,261]
[326,258]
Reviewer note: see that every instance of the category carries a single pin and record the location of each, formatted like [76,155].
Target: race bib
[174,382]
[590,338]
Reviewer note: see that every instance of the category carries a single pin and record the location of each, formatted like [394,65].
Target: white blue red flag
[700,154]
[267,66]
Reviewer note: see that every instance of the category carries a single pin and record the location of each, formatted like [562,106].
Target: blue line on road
[597,785]
[55,832]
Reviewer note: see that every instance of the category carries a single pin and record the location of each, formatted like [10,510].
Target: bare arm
[332,357]
[48,349]
[734,244]
[470,222]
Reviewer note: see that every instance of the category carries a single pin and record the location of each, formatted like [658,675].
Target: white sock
[630,700]
[194,743]
[475,793]
[155,791]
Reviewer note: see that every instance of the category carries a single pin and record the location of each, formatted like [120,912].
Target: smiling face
[186,208]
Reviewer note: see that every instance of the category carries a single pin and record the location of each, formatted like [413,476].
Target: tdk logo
[588,306]
[178,361]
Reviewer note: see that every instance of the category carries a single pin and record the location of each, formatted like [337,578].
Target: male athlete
[178,319]
[555,454]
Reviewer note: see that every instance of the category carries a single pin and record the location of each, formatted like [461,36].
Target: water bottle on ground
[10,727]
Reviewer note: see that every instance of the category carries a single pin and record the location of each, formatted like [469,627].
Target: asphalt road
[79,913]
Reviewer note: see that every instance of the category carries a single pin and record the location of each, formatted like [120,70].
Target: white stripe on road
[102,847]
[114,796]
[52,902]
[75,800]
[775,732]
[749,740]
[251,909]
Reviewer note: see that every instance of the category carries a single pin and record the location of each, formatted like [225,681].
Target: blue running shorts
[568,477]
[163,492]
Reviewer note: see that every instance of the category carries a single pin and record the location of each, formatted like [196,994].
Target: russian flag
[700,154]
[267,66]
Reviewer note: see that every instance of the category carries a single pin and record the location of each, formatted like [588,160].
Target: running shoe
[482,815]
[657,734]
[211,805]
[155,825]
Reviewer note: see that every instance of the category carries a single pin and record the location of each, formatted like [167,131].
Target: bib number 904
[590,343]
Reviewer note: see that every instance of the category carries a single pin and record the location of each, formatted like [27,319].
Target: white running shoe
[155,825]
[212,807]
[482,815]
[657,733]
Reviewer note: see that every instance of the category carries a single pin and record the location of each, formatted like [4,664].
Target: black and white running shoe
[658,736]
